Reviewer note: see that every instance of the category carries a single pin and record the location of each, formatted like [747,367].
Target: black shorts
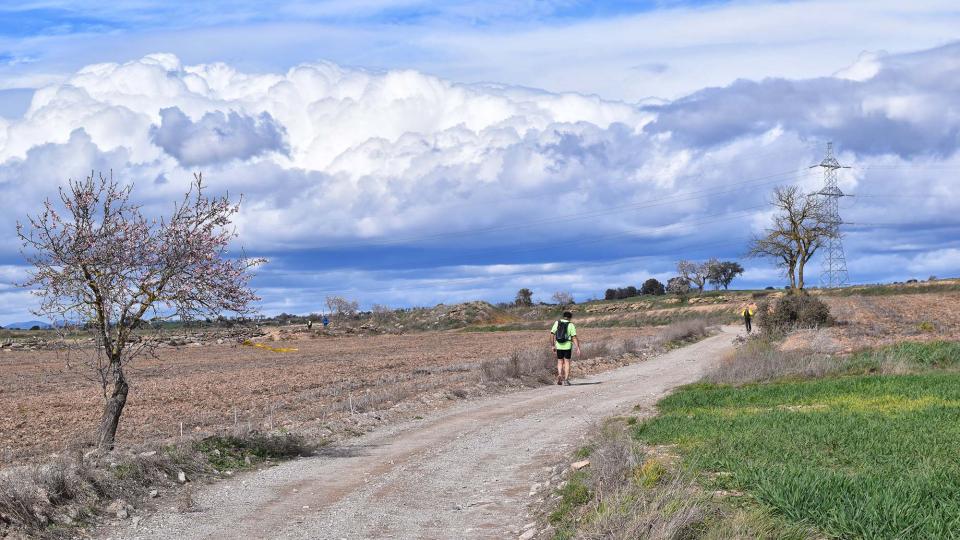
[561,355]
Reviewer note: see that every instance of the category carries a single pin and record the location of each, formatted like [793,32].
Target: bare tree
[800,228]
[778,248]
[100,263]
[341,308]
[695,273]
[563,298]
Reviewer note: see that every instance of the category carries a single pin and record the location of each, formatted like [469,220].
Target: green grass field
[856,457]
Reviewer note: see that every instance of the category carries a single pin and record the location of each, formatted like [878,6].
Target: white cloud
[866,66]
[216,137]
[354,153]
[667,49]
[332,156]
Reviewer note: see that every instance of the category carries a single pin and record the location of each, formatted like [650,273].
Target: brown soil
[869,321]
[45,407]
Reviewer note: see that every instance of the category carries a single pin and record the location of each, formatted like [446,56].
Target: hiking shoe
[566,382]
[559,381]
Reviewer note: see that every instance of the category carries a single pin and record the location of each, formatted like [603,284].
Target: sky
[403,152]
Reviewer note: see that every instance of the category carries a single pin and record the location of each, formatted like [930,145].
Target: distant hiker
[564,337]
[748,312]
[309,324]
[325,321]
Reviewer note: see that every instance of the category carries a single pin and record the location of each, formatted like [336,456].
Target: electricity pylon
[834,273]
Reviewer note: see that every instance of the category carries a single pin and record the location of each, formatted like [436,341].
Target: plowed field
[46,408]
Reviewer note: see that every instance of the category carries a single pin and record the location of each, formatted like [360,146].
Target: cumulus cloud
[904,107]
[406,169]
[216,137]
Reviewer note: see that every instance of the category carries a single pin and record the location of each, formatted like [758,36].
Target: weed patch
[231,452]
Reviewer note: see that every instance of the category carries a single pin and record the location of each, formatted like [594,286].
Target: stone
[580,464]
[154,494]
[136,521]
[148,454]
[122,513]
[181,477]
[528,535]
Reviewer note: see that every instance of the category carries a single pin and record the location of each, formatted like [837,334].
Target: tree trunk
[799,277]
[107,432]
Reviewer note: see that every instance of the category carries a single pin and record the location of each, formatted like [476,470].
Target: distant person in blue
[325,321]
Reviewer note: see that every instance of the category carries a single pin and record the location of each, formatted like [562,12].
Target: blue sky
[406,152]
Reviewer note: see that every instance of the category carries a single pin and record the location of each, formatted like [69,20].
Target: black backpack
[561,335]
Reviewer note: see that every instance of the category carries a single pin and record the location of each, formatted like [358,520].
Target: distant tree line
[650,287]
[524,298]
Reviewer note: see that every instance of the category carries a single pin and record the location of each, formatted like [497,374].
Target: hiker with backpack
[748,312]
[564,337]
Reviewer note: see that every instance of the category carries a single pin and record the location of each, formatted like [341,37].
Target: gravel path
[465,472]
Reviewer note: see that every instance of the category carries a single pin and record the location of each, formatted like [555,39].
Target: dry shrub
[612,460]
[632,346]
[792,312]
[624,508]
[69,489]
[539,364]
[372,399]
[759,360]
[45,501]
[681,331]
[670,511]
[594,350]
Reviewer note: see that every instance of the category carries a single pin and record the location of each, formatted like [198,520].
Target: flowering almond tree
[100,263]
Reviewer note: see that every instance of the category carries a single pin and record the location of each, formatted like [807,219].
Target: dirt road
[463,473]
